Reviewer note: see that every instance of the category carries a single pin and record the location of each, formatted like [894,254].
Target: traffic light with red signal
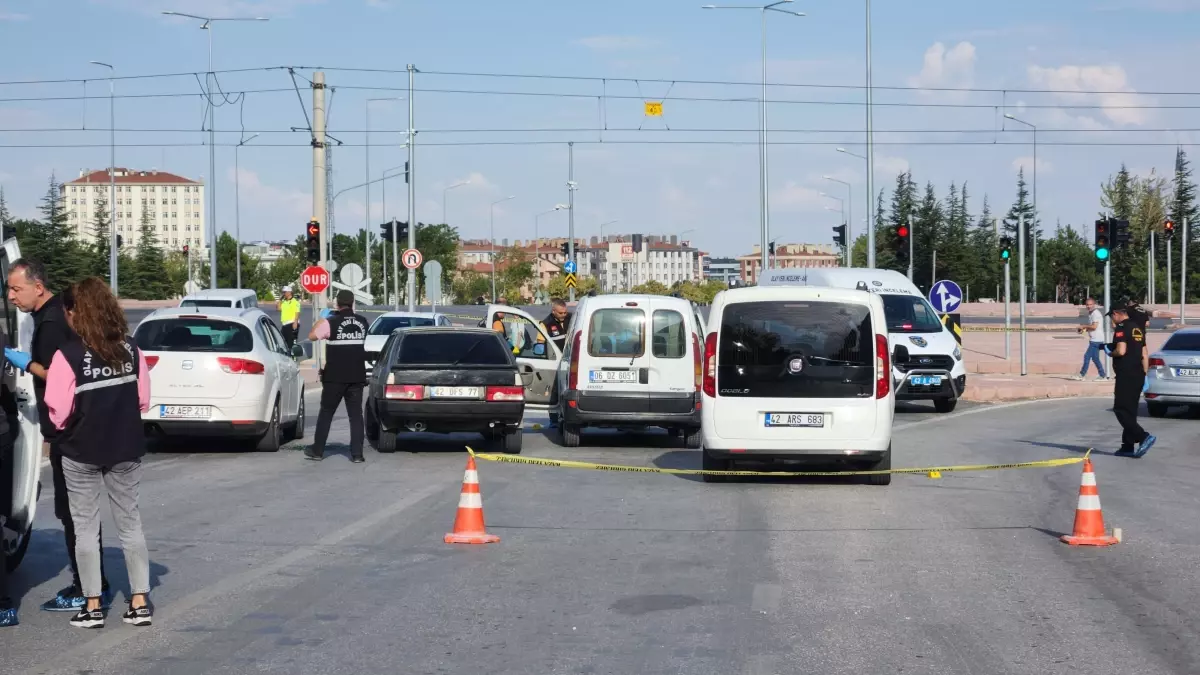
[1169,229]
[312,242]
[903,241]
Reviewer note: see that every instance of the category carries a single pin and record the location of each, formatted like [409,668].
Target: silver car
[1174,377]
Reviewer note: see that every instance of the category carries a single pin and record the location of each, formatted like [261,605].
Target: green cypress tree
[98,248]
[1183,207]
[52,240]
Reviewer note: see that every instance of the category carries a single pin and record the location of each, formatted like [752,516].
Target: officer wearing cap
[289,316]
[344,375]
[1130,363]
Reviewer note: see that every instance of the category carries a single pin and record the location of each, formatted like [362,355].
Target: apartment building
[789,255]
[175,206]
[726,270]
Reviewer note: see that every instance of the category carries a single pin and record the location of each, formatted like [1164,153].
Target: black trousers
[62,511]
[332,395]
[1126,394]
[289,335]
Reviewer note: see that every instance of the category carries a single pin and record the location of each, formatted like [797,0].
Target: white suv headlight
[957,353]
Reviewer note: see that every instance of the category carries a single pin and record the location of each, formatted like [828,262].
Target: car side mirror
[298,351]
[539,349]
[900,354]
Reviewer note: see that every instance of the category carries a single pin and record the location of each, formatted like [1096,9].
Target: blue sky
[1118,46]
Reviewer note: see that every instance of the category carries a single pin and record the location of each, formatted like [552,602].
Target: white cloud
[890,165]
[1111,80]
[268,8]
[942,67]
[287,202]
[610,43]
[1027,163]
[13,16]
[796,197]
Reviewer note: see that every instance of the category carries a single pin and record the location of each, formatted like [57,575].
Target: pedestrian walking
[1130,363]
[344,375]
[97,388]
[1094,328]
[289,316]
[556,324]
[8,429]
[28,291]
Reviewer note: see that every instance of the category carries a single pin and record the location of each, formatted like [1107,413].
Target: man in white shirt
[1095,332]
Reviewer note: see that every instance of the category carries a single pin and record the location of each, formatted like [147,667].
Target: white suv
[221,372]
[798,373]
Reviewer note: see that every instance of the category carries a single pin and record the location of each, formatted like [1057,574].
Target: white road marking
[986,408]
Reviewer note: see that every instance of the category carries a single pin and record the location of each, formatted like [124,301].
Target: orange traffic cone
[468,523]
[1089,521]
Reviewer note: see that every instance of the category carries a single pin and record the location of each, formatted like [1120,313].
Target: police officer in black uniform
[344,375]
[556,324]
[1130,363]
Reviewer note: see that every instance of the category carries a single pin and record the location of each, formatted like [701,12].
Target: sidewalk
[1046,353]
[998,388]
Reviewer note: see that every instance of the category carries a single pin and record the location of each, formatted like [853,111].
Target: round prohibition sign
[411,258]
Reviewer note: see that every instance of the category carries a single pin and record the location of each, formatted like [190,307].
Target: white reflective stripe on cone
[1089,479]
[1089,502]
[470,500]
[471,477]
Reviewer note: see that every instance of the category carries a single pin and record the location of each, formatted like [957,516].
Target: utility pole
[1170,280]
[870,155]
[1183,275]
[1007,310]
[410,178]
[318,199]
[571,210]
[933,270]
[911,236]
[1021,284]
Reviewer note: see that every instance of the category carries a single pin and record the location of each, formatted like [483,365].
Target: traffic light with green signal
[1103,240]
[1005,249]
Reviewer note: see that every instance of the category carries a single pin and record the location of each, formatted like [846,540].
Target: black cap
[345,298]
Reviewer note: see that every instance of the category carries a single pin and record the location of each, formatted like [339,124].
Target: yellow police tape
[932,471]
[1018,329]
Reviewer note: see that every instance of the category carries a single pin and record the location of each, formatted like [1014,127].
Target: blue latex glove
[1108,350]
[18,358]
[1146,386]
[326,313]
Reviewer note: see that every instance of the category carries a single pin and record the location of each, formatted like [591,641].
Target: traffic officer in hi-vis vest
[344,375]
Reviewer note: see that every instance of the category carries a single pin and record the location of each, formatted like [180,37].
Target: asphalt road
[267,563]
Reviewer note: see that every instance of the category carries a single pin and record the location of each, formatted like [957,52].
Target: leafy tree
[176,266]
[98,248]
[514,271]
[1069,268]
[286,270]
[651,287]
[227,252]
[6,219]
[1184,208]
[988,278]
[440,242]
[470,285]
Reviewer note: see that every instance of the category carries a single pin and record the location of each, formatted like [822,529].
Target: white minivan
[797,373]
[930,367]
[23,472]
[632,362]
[237,298]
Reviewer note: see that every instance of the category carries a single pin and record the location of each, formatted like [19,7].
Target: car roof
[784,293]
[619,299]
[876,280]
[221,294]
[446,329]
[243,314]
[402,314]
[1191,330]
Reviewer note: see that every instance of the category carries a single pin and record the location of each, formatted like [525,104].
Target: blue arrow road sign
[569,267]
[945,296]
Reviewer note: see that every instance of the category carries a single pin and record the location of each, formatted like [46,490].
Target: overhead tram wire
[1134,144]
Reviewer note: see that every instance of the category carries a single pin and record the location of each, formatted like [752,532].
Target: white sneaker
[1077,378]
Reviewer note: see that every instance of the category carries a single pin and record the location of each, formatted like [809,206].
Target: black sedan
[445,380]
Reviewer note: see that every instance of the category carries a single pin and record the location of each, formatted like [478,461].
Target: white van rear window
[796,350]
[669,335]
[617,332]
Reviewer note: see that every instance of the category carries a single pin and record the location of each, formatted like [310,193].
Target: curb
[1002,393]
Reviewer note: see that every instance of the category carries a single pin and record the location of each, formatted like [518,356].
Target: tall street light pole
[112,178]
[492,236]
[764,216]
[212,144]
[367,178]
[870,158]
[870,208]
[444,191]
[1033,225]
[849,204]
[237,204]
[537,240]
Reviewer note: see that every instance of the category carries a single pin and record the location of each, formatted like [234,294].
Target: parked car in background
[223,373]
[1174,376]
[384,324]
[237,298]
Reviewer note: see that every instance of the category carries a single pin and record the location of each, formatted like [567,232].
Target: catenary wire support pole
[412,186]
[1170,279]
[870,154]
[1007,310]
[1021,285]
[571,187]
[237,204]
[1183,275]
[113,253]
[318,188]
[1034,242]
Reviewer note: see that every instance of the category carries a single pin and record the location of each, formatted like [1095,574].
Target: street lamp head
[841,149]
[1009,116]
[560,207]
[248,139]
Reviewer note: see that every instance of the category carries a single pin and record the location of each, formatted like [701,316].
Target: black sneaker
[139,616]
[86,619]
[357,460]
[316,458]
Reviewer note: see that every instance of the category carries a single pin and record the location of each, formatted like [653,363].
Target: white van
[237,298]
[23,472]
[797,373]
[930,367]
[632,362]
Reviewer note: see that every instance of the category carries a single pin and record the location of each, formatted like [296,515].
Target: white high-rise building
[175,206]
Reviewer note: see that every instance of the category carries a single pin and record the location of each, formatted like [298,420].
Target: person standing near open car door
[8,610]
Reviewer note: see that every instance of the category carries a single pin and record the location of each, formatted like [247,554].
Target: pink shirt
[60,388]
[321,330]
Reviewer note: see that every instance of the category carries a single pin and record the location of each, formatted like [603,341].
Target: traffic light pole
[910,247]
[1170,281]
[410,178]
[318,198]
[1108,308]
[1021,285]
[1183,275]
[571,211]
[1007,310]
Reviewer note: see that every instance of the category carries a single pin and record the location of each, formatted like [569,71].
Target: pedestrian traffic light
[902,241]
[1120,233]
[771,248]
[313,241]
[1169,229]
[1005,249]
[839,235]
[1103,240]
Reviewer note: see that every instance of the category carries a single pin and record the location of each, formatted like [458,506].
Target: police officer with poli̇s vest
[1130,365]
[344,375]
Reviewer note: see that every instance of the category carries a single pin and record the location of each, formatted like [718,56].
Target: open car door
[536,355]
[23,471]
